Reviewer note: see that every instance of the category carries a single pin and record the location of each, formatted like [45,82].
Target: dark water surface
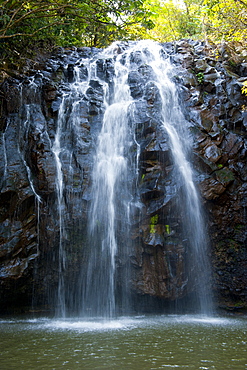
[141,342]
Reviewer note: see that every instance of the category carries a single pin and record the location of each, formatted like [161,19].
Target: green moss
[168,229]
[153,222]
[225,176]
[232,63]
[221,245]
[76,181]
[233,245]
[239,227]
[239,304]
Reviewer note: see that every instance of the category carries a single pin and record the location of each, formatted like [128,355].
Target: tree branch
[33,33]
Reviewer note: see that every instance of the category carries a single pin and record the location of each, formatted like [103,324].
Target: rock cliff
[208,81]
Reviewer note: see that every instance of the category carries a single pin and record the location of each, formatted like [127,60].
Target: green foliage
[171,20]
[94,23]
[244,88]
[67,23]
[226,19]
[216,20]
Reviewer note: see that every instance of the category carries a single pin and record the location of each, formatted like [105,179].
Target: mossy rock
[224,176]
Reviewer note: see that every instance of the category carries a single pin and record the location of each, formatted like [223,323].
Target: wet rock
[232,145]
[95,96]
[105,69]
[211,189]
[201,65]
[207,119]
[70,73]
[136,82]
[12,95]
[224,176]
[212,153]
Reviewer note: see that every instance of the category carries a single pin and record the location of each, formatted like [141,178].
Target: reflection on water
[160,342]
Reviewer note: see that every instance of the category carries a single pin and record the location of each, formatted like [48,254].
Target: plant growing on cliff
[168,229]
[153,222]
[200,77]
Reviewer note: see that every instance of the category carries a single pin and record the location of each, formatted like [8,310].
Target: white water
[130,323]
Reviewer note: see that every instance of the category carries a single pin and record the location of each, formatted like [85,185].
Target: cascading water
[114,194]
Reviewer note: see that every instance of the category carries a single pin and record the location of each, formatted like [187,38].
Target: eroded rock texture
[209,89]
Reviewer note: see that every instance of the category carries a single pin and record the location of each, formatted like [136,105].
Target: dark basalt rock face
[209,88]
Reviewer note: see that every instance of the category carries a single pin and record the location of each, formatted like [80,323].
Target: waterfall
[114,195]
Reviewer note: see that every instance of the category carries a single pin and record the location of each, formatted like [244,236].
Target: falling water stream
[111,199]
